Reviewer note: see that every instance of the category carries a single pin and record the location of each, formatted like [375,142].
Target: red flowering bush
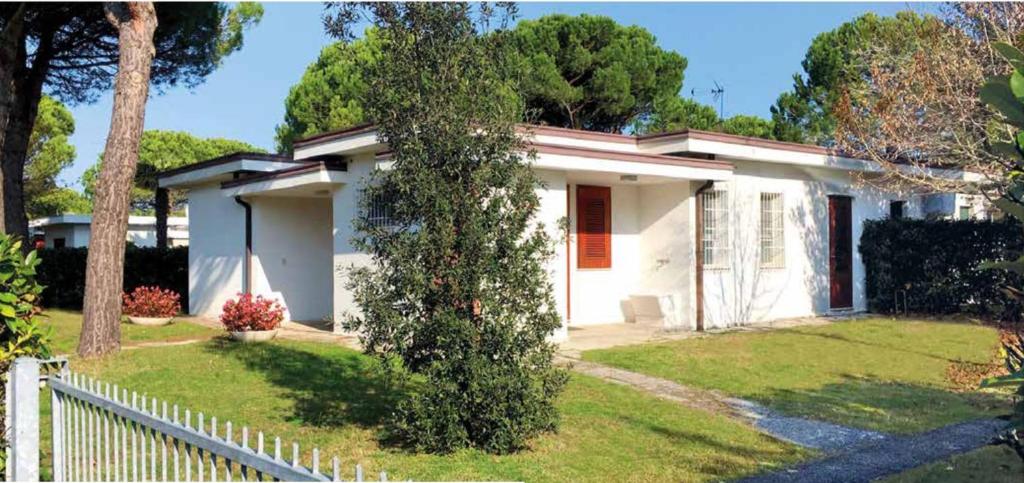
[248,313]
[151,302]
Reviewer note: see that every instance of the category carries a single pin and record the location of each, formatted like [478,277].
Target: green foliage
[679,113]
[49,153]
[63,273]
[162,150]
[584,72]
[833,64]
[21,334]
[330,94]
[458,290]
[934,266]
[588,72]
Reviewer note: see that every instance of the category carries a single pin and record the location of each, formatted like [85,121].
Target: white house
[689,229]
[72,231]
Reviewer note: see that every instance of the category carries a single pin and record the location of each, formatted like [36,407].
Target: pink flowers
[151,302]
[248,313]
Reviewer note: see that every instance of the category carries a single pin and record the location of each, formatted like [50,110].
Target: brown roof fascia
[332,135]
[577,133]
[734,139]
[284,173]
[229,158]
[631,157]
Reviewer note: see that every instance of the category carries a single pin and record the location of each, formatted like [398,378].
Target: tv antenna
[717,94]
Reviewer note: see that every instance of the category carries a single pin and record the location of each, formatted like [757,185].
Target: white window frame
[772,230]
[715,236]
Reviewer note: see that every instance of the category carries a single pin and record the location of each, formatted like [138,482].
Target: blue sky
[751,49]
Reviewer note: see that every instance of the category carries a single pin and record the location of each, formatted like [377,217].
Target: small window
[965,212]
[896,209]
[773,245]
[379,211]
[716,228]
[58,243]
[593,227]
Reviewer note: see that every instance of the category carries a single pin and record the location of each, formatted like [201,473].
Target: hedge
[930,267]
[62,271]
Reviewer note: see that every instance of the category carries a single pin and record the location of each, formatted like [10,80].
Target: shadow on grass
[330,389]
[870,403]
[891,347]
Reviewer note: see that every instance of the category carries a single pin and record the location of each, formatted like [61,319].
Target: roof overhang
[224,168]
[317,179]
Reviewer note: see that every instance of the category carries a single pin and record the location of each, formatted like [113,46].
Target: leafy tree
[70,51]
[330,94]
[1006,95]
[458,289]
[50,153]
[588,72]
[832,65]
[678,113]
[584,72]
[161,150]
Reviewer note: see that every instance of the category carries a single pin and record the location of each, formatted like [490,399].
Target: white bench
[665,310]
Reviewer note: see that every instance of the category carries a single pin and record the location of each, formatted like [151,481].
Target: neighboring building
[72,231]
[688,230]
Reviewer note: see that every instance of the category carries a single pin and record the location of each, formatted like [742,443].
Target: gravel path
[892,455]
[853,455]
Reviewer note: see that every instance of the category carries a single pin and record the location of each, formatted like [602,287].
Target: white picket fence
[104,433]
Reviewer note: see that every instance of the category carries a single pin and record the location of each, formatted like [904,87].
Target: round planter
[254,335]
[149,320]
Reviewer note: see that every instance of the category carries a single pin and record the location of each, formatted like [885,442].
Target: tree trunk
[104,272]
[11,45]
[163,206]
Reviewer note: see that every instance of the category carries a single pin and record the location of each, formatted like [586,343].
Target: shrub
[151,302]
[248,313]
[21,334]
[934,266]
[62,272]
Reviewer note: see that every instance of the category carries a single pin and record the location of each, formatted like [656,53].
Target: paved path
[891,455]
[851,454]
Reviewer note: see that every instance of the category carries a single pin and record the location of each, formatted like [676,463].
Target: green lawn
[991,464]
[871,373]
[68,325]
[332,397]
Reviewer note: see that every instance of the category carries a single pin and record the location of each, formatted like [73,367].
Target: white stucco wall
[666,262]
[601,295]
[552,214]
[344,208]
[292,247]
[744,292]
[216,250]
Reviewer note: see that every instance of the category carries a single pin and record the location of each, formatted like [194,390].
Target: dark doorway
[840,252]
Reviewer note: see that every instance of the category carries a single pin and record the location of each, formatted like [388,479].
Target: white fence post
[23,408]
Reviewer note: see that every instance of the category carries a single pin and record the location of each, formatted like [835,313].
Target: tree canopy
[678,113]
[49,154]
[589,72]
[71,51]
[833,64]
[583,72]
[162,150]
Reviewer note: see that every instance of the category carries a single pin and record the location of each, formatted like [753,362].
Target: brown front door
[840,252]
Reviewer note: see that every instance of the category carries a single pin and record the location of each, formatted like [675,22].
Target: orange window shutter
[594,226]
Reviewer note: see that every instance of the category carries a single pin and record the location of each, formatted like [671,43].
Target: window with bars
[773,242]
[716,228]
[379,211]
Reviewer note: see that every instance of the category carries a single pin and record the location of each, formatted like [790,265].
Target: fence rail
[104,433]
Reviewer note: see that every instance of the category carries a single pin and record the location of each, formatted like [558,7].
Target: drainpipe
[247,270]
[699,258]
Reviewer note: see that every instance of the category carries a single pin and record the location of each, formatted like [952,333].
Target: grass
[871,373]
[333,398]
[67,326]
[991,464]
